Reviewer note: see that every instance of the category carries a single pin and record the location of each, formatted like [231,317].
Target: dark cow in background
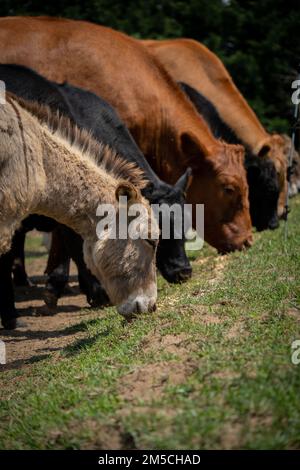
[94,114]
[261,172]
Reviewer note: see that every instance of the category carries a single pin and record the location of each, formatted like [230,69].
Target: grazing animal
[35,146]
[95,115]
[28,85]
[192,63]
[261,173]
[163,122]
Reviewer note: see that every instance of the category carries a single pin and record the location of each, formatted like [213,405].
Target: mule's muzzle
[137,306]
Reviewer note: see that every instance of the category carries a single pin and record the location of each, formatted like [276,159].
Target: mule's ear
[193,149]
[185,181]
[128,190]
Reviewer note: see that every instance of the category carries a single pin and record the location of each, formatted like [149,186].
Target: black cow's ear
[185,181]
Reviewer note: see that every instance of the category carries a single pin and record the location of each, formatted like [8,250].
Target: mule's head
[125,263]
[274,148]
[263,192]
[220,183]
[171,258]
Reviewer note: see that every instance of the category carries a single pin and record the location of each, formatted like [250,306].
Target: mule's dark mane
[101,154]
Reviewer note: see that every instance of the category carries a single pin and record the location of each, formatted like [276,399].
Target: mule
[35,145]
[92,113]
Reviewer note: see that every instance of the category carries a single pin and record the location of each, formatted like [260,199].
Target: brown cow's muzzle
[236,246]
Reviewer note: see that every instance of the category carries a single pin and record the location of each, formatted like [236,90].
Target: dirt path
[40,334]
[43,335]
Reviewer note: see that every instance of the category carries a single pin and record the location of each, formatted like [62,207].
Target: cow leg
[89,285]
[57,269]
[8,312]
[18,267]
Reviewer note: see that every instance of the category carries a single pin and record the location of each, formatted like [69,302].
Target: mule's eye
[229,190]
[152,243]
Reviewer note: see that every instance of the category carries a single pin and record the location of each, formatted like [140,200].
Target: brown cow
[164,123]
[191,62]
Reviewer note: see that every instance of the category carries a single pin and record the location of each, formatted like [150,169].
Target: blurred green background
[257,40]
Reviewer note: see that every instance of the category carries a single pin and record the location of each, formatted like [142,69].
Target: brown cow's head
[220,183]
[274,148]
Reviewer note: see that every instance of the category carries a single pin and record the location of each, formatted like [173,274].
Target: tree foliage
[256,39]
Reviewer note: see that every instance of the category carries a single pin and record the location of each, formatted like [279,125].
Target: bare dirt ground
[42,334]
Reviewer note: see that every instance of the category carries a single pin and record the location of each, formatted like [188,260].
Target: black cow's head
[171,258]
[263,192]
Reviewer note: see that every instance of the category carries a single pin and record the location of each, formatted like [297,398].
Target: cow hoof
[68,290]
[22,282]
[47,311]
[21,279]
[10,324]
[50,307]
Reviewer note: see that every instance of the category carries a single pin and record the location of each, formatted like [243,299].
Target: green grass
[226,382]
[34,247]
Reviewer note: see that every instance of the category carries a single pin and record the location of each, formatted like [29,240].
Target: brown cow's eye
[229,190]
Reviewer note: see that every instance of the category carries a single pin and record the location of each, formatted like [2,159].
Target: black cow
[92,113]
[261,172]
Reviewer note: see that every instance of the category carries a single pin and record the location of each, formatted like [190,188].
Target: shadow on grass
[37,291]
[36,254]
[19,363]
[44,334]
[79,345]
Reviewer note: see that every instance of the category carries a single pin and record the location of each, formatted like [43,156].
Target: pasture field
[210,369]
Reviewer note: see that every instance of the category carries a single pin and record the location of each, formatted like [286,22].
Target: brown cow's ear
[263,148]
[128,190]
[192,149]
